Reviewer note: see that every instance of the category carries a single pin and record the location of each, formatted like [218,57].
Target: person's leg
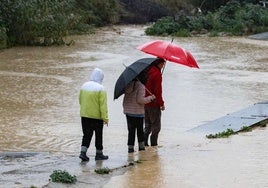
[98,127]
[156,126]
[140,133]
[86,139]
[131,133]
[147,127]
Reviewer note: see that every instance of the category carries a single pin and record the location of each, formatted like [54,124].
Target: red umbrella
[170,52]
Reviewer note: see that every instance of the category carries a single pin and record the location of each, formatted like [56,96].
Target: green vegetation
[107,170]
[230,132]
[104,170]
[245,129]
[233,19]
[263,123]
[62,176]
[3,38]
[133,163]
[138,161]
[223,134]
[48,22]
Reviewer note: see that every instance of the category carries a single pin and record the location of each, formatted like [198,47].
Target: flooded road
[39,112]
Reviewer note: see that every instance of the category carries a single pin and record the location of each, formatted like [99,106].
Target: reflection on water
[39,108]
[150,175]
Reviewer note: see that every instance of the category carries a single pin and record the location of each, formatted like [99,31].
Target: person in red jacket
[154,108]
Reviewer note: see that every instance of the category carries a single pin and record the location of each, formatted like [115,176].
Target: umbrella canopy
[130,73]
[169,51]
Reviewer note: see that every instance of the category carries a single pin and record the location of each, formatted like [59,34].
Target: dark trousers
[133,124]
[152,125]
[89,126]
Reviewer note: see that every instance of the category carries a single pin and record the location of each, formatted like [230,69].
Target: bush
[182,33]
[3,38]
[164,26]
[37,21]
[196,23]
[47,22]
[234,18]
[253,18]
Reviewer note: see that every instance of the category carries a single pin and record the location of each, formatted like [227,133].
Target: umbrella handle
[148,90]
[145,87]
[163,68]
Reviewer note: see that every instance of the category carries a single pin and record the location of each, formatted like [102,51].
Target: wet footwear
[154,140]
[83,156]
[101,157]
[130,148]
[141,146]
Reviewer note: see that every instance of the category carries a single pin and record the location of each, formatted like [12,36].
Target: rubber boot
[130,149]
[146,139]
[100,156]
[154,140]
[83,155]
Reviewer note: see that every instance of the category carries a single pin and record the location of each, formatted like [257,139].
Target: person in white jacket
[133,108]
[94,114]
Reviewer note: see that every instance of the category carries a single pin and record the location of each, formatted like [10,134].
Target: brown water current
[40,127]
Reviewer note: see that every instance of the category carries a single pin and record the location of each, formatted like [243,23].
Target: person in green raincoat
[94,114]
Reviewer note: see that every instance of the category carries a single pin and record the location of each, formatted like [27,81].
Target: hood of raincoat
[97,75]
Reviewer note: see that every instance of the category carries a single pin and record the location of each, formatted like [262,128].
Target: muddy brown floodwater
[40,127]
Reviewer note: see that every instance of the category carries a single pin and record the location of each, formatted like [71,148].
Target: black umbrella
[130,73]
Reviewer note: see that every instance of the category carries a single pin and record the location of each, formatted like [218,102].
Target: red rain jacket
[154,85]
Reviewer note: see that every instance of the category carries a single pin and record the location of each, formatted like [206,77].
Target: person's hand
[106,123]
[162,108]
[153,97]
